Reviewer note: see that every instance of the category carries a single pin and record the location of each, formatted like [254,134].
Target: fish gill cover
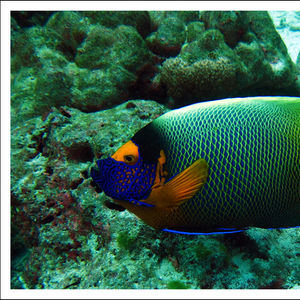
[77,83]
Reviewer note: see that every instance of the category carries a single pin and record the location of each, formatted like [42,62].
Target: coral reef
[238,53]
[233,25]
[111,19]
[188,77]
[54,206]
[76,81]
[194,31]
[31,18]
[71,29]
[104,47]
[158,17]
[73,62]
[168,38]
[96,60]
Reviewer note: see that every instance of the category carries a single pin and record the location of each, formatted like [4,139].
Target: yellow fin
[181,188]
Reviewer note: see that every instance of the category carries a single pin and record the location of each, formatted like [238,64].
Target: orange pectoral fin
[181,188]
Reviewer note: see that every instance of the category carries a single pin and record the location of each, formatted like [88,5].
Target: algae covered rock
[71,29]
[169,37]
[107,68]
[275,51]
[95,60]
[53,88]
[31,18]
[94,90]
[104,47]
[35,90]
[55,206]
[232,24]
[44,75]
[111,19]
[203,69]
[239,53]
[63,32]
[95,52]
[194,31]
[158,17]
[26,43]
[169,31]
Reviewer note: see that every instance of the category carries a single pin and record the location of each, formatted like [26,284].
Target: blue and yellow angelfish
[212,167]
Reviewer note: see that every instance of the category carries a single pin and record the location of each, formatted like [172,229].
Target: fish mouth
[121,181]
[98,173]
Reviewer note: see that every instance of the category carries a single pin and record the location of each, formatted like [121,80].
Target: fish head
[137,174]
[125,175]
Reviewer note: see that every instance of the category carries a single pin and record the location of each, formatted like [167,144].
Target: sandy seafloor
[288,25]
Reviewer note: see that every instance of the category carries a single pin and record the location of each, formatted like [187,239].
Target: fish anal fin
[181,188]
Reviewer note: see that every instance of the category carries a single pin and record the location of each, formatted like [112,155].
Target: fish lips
[106,176]
[99,175]
[96,176]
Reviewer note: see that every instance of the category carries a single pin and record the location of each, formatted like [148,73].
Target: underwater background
[82,83]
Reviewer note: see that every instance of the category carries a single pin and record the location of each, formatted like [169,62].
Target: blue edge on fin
[222,231]
[137,202]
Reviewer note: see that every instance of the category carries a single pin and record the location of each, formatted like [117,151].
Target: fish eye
[130,159]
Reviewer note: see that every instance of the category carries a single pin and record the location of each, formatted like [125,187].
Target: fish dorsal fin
[181,188]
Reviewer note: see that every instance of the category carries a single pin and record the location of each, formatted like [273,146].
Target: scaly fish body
[252,150]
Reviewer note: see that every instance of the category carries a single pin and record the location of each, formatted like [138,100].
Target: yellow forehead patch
[128,153]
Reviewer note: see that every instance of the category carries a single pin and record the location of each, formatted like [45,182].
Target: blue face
[121,181]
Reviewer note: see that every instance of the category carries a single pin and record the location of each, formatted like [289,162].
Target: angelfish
[212,167]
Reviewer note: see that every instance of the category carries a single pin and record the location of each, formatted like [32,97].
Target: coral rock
[168,39]
[138,19]
[71,29]
[239,53]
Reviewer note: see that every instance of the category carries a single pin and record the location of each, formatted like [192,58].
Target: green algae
[168,38]
[126,241]
[202,252]
[176,284]
[194,31]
